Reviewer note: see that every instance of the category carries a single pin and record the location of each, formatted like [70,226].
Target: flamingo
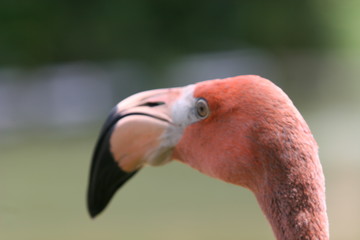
[243,130]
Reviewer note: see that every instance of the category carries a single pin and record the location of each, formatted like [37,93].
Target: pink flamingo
[243,130]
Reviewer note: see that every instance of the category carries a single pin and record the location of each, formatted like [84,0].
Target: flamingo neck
[295,209]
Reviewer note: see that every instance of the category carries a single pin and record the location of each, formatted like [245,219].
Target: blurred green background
[64,64]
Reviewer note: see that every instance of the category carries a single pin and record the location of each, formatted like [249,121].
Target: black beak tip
[94,211]
[101,191]
[106,177]
[94,207]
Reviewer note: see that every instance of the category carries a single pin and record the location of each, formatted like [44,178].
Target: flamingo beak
[130,138]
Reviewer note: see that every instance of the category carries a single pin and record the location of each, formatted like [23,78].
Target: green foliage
[39,31]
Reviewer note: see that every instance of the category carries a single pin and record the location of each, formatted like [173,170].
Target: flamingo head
[243,130]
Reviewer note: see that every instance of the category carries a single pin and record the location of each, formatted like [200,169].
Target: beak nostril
[152,104]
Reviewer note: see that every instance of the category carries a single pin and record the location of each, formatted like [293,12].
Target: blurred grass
[43,183]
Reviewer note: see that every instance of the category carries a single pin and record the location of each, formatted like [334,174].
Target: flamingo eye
[202,108]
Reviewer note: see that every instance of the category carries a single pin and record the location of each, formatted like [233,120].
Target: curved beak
[130,138]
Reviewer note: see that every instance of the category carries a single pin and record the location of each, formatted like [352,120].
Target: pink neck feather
[291,191]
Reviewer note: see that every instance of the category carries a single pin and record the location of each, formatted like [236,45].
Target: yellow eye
[202,108]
